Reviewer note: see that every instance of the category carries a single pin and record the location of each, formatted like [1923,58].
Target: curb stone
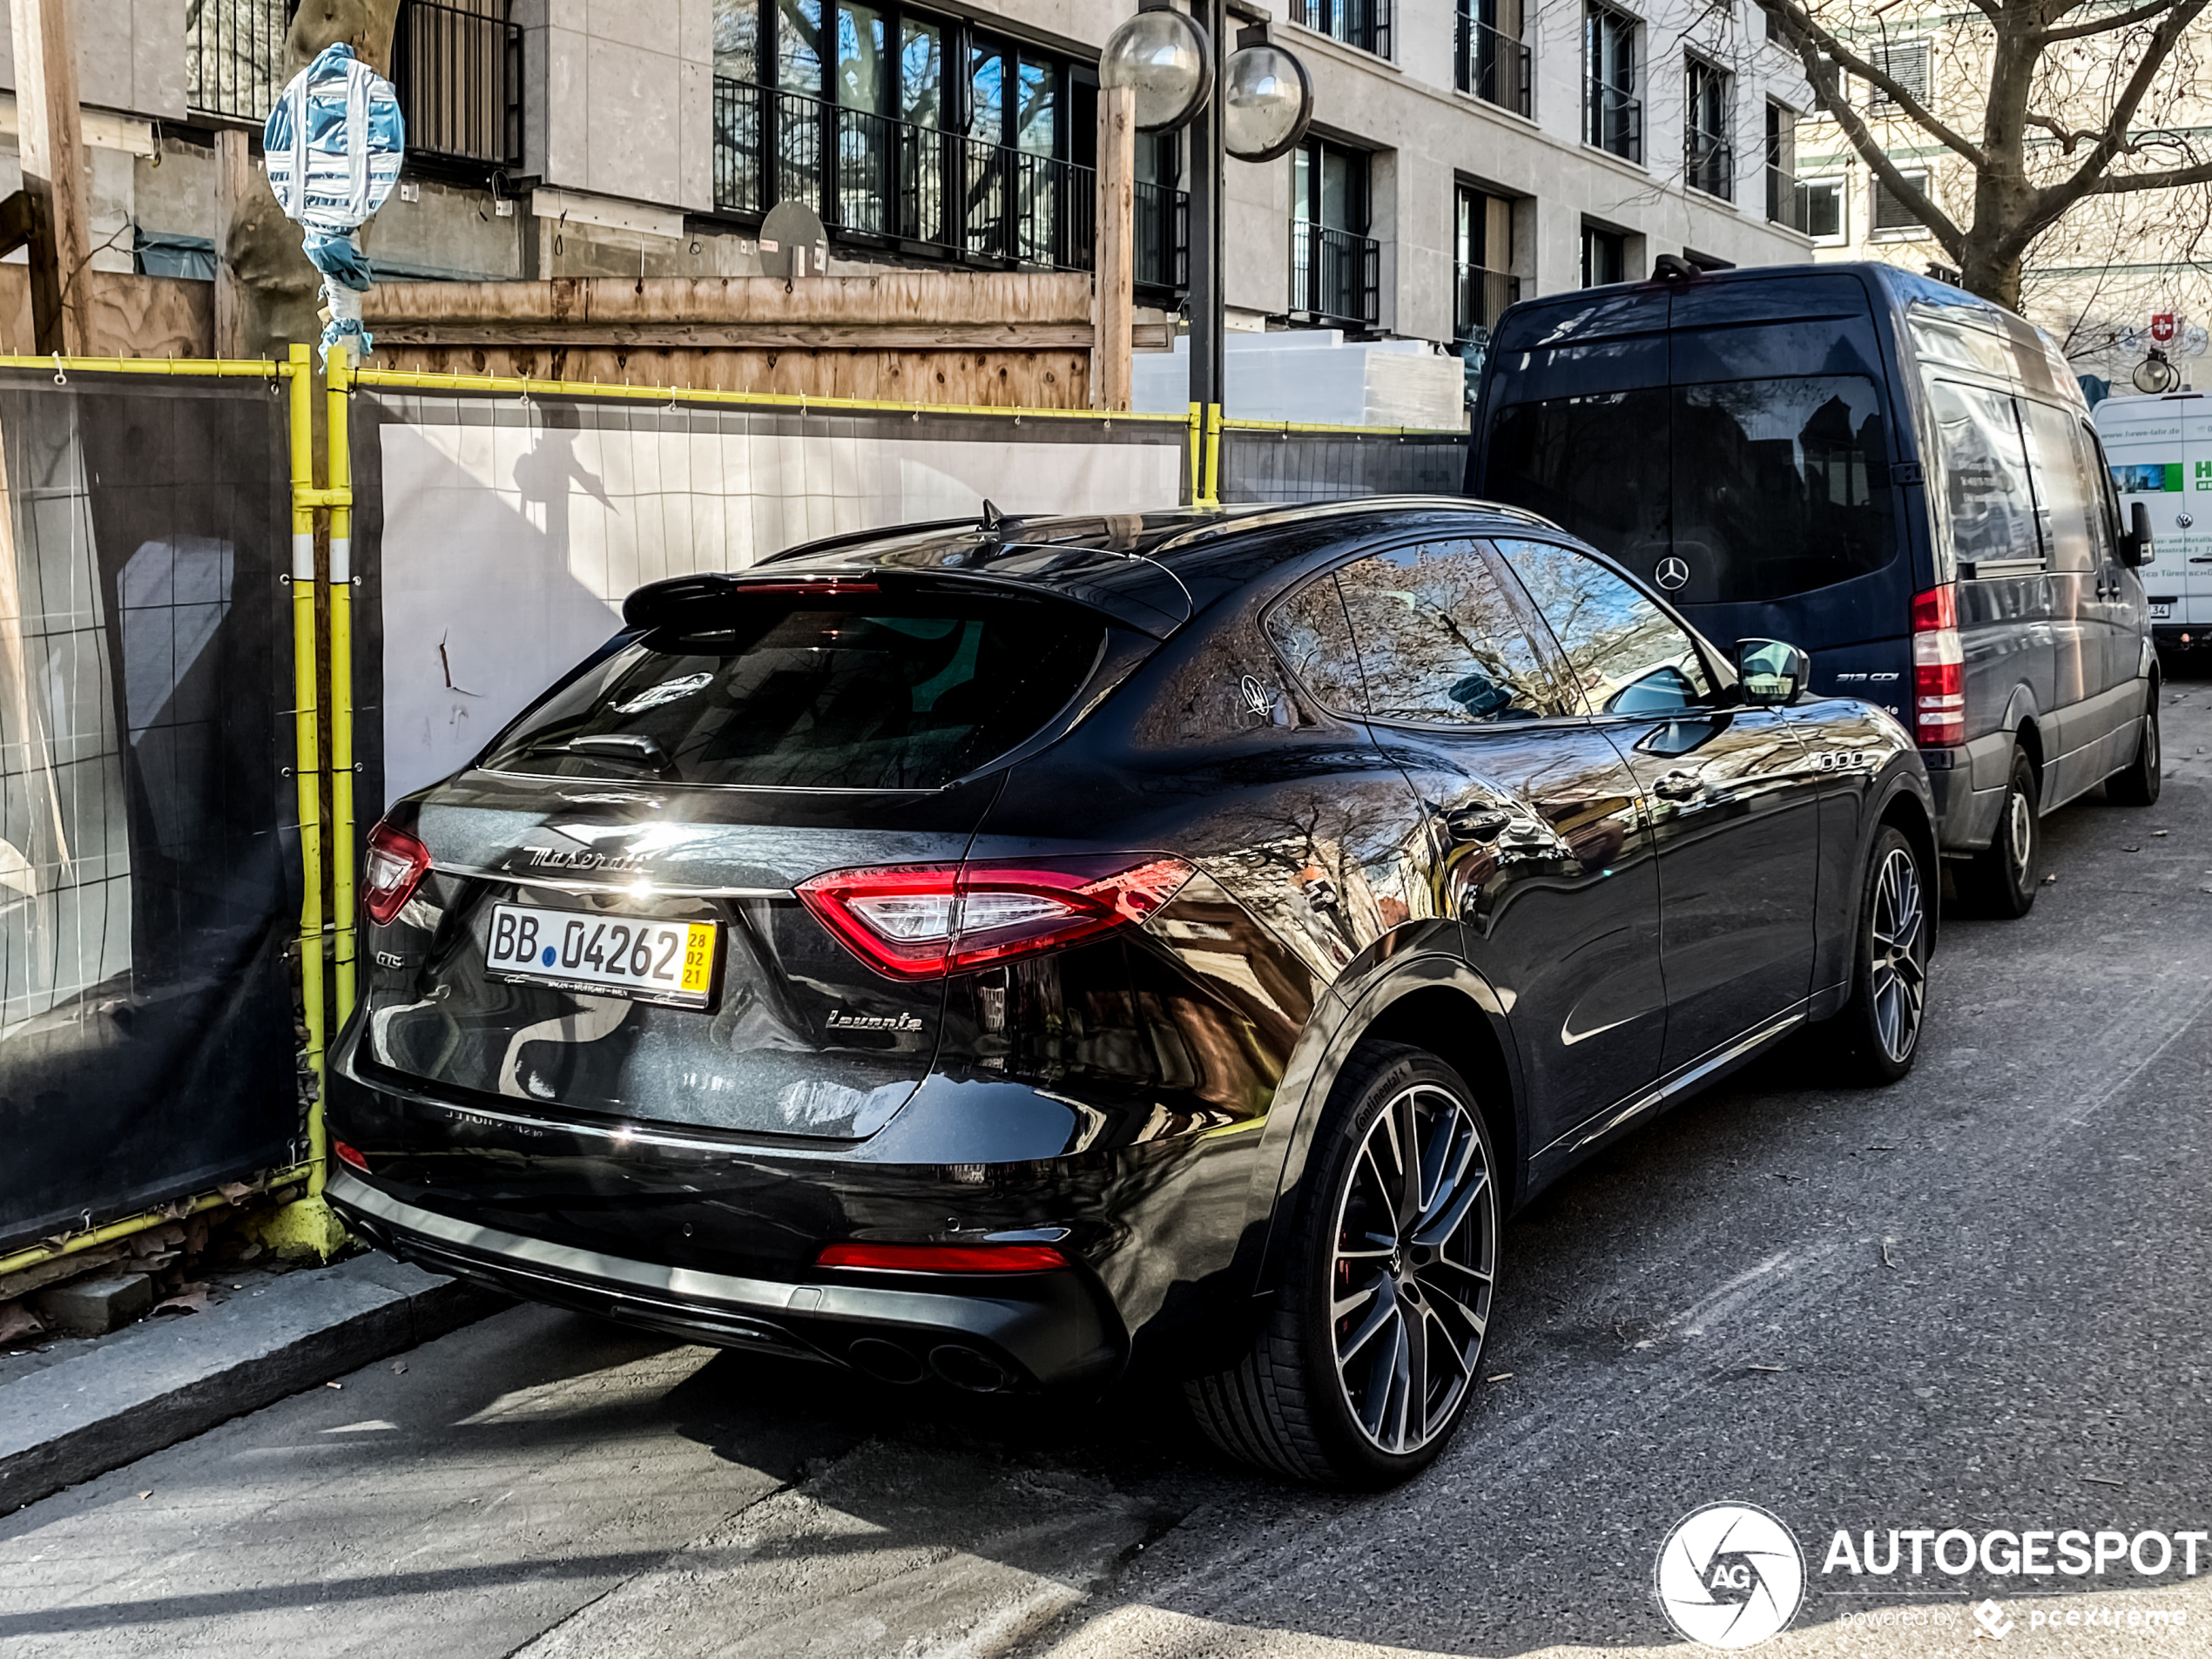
[169,1379]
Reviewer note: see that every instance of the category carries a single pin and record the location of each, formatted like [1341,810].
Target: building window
[1336,269]
[1489,59]
[1904,62]
[1363,23]
[919,131]
[1785,197]
[1605,257]
[1825,200]
[1890,217]
[457,69]
[1482,263]
[1613,116]
[1708,160]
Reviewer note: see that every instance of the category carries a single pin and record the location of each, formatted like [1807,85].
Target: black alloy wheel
[1880,1026]
[1367,1363]
[1999,881]
[2137,783]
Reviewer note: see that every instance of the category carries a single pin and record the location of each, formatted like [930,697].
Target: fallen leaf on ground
[399,1367]
[143,1496]
[236,1191]
[16,1320]
[191,1299]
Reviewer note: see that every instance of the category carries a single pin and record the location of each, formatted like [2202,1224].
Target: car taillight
[349,1157]
[925,921]
[1938,669]
[943,1259]
[395,864]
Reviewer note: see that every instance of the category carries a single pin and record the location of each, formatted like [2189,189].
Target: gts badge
[841,1020]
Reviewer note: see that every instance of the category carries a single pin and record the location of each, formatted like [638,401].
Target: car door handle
[1679,785]
[1476,824]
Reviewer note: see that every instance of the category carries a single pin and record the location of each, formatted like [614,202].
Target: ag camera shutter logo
[1729,1575]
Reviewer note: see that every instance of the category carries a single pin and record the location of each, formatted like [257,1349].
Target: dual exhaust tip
[950,1362]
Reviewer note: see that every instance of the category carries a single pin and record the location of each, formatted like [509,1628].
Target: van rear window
[1765,488]
[807,691]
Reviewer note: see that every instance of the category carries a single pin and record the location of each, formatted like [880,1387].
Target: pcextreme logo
[1729,1575]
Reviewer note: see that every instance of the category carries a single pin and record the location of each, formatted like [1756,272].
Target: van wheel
[1878,1031]
[2136,784]
[1364,1366]
[1999,881]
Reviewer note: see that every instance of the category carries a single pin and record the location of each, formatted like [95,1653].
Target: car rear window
[812,692]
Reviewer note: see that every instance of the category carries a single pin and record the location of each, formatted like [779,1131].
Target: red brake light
[395,863]
[943,1259]
[1938,669]
[925,921]
[349,1157]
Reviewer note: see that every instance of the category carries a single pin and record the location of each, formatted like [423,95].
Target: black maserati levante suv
[987,951]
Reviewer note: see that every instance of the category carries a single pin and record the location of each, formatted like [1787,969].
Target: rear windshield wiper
[621,745]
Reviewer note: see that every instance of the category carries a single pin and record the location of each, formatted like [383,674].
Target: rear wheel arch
[1434,1002]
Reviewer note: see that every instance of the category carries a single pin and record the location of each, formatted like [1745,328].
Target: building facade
[1464,152]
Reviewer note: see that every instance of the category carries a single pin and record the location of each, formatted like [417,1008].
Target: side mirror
[1770,673]
[2136,548]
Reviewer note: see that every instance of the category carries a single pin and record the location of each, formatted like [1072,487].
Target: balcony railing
[458,71]
[878,178]
[1709,164]
[1336,276]
[1615,122]
[1788,202]
[1491,65]
[1363,23]
[235,61]
[1479,298]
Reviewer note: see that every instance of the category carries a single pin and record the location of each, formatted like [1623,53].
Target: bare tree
[2074,97]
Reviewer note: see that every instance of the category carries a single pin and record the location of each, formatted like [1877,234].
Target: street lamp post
[1254,104]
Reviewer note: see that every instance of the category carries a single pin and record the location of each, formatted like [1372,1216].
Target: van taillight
[395,863]
[1938,669]
[917,921]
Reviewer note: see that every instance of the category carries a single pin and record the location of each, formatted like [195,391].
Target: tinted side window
[1438,639]
[1309,628]
[1992,514]
[2066,490]
[1627,656]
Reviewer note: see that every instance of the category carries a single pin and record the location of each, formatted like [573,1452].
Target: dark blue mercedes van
[1893,474]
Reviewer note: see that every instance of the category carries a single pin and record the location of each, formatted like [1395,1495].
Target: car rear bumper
[1968,782]
[1007,1331]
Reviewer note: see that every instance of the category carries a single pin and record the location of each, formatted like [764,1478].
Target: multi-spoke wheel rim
[1899,929]
[2020,826]
[1416,1250]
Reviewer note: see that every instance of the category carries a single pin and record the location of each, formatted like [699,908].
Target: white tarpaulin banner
[511,534]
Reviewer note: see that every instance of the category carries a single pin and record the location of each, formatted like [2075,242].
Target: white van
[2161,452]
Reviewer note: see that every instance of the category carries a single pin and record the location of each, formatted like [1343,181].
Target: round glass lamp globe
[1267,102]
[1162,55]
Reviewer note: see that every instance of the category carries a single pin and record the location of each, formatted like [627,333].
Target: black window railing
[1615,122]
[234,58]
[1363,23]
[1479,298]
[1708,164]
[1336,276]
[882,179]
[1491,65]
[1788,202]
[458,71]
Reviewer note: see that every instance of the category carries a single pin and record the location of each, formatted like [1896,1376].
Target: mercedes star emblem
[1672,572]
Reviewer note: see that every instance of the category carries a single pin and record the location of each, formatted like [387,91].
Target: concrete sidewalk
[163,1380]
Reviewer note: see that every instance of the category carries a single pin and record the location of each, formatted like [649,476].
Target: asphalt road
[1975,1300]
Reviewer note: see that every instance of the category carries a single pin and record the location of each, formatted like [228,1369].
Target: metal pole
[1206,368]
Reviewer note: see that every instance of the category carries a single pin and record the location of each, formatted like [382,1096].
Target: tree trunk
[279,292]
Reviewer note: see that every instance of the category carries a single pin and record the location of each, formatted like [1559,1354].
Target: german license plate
[2160,613]
[656,962]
